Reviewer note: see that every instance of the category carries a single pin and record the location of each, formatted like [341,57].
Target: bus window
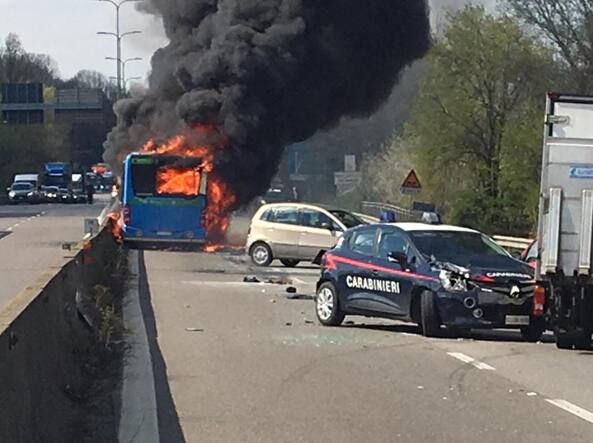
[177,181]
[143,179]
[150,179]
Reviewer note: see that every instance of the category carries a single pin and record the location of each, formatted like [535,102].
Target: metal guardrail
[512,242]
[92,226]
[374,209]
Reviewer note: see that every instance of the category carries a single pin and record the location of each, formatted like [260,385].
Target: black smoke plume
[269,73]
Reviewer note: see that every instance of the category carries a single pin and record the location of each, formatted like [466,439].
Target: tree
[476,124]
[24,148]
[568,26]
[19,66]
[91,79]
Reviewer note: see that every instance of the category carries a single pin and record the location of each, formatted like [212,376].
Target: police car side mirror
[398,257]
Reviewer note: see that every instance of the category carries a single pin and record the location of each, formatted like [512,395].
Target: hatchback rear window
[285,215]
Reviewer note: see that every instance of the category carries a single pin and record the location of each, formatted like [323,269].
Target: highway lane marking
[572,409]
[16,225]
[472,361]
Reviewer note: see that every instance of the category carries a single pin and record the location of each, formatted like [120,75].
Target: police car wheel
[261,254]
[289,263]
[327,306]
[429,316]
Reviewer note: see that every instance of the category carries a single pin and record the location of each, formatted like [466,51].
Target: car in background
[295,232]
[23,192]
[32,179]
[432,275]
[50,194]
[65,195]
[274,195]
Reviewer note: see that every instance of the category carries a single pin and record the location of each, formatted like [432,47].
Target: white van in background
[32,179]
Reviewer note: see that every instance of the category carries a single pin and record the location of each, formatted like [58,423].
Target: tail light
[539,301]
[127,215]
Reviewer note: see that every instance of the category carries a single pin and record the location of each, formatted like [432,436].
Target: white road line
[472,361]
[573,409]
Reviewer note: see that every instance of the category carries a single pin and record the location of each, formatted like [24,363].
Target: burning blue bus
[163,200]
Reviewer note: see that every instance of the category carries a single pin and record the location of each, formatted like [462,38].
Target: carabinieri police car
[433,275]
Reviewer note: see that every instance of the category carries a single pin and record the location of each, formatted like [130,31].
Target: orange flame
[173,181]
[115,227]
[220,198]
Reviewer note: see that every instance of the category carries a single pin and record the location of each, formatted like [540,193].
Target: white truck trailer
[565,229]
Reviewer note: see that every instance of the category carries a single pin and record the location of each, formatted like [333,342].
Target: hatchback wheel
[261,254]
[327,306]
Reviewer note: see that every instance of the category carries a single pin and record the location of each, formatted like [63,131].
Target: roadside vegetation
[475,130]
[103,357]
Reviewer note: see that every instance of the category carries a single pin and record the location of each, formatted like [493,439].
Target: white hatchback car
[295,232]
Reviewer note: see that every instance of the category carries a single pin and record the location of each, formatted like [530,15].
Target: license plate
[164,234]
[517,320]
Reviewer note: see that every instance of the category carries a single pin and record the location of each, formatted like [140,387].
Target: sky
[66,30]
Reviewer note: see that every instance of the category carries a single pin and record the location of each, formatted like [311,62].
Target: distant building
[87,115]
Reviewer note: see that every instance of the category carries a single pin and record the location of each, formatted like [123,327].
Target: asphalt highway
[31,238]
[247,362]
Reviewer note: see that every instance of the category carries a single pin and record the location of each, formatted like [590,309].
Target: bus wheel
[261,254]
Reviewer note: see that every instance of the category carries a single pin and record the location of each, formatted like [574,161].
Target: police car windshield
[455,246]
[348,219]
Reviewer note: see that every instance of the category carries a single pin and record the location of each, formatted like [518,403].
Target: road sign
[347,181]
[411,184]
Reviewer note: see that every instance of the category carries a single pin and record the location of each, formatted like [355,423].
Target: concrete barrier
[42,339]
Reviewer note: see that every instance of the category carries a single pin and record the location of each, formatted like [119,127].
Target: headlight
[452,281]
[30,194]
[12,194]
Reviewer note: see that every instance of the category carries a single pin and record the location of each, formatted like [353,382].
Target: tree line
[475,130]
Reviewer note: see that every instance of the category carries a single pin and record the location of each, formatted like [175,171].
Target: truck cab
[565,228]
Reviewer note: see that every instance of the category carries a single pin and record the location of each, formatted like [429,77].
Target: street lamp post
[123,67]
[119,37]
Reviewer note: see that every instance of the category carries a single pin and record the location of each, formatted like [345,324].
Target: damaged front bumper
[481,309]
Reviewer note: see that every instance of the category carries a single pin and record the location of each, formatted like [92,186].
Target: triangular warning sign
[412,181]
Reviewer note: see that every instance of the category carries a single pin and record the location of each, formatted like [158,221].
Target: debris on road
[288,323]
[294,296]
[251,279]
[283,280]
[291,290]
[194,329]
[309,322]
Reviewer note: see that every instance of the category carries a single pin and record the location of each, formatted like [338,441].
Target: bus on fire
[163,200]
